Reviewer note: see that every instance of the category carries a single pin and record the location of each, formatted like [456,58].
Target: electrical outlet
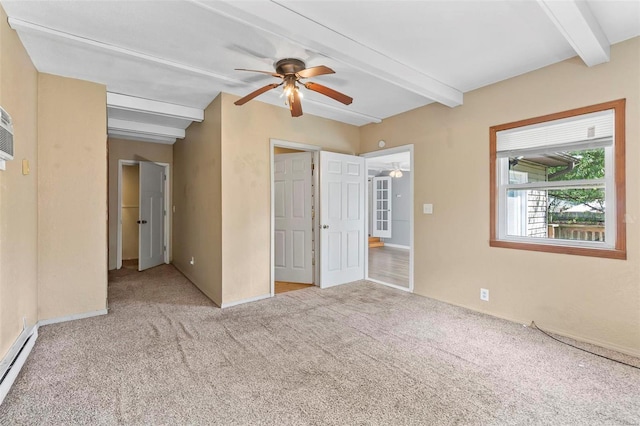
[484,294]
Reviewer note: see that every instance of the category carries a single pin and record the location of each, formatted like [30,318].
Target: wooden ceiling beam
[148,106]
[114,124]
[576,23]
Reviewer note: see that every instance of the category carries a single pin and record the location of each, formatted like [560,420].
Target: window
[558,182]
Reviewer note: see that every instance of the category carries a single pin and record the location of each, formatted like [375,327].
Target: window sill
[548,248]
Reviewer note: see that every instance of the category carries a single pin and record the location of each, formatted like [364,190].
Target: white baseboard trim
[15,359]
[622,349]
[72,317]
[193,281]
[397,287]
[242,301]
[526,322]
[397,246]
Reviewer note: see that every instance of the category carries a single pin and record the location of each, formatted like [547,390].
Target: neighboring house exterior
[528,210]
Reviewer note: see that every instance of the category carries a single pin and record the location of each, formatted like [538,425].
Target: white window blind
[588,131]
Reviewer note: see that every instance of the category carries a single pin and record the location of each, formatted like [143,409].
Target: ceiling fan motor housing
[289,66]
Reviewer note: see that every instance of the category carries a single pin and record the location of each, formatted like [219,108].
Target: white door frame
[288,223]
[381,153]
[167,205]
[299,147]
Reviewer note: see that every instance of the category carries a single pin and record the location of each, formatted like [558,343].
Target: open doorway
[130,212]
[143,224]
[389,257]
[294,241]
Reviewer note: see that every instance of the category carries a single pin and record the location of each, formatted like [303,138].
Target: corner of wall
[197,221]
[72,197]
[18,191]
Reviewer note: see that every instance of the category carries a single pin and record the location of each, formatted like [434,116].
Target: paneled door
[151,219]
[381,207]
[342,218]
[293,233]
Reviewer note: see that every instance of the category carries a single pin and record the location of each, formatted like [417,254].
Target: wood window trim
[620,249]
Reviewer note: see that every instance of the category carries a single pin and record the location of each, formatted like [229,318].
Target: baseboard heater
[15,359]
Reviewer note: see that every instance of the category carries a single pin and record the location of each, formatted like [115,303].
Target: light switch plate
[427,208]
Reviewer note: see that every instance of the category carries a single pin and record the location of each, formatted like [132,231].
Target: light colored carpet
[355,354]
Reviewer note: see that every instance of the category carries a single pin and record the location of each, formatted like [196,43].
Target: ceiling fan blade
[314,71]
[340,97]
[271,73]
[294,104]
[255,93]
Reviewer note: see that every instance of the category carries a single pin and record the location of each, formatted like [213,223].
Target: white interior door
[293,233]
[382,207]
[342,218]
[151,220]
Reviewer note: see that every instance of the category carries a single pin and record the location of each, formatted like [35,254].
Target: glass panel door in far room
[382,207]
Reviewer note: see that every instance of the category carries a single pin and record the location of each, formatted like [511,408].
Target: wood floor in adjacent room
[359,353]
[283,287]
[389,265]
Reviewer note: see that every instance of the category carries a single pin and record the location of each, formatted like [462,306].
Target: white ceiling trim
[148,106]
[28,27]
[283,22]
[120,134]
[576,23]
[114,124]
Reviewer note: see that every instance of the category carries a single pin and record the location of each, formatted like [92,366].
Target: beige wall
[222,192]
[197,221]
[592,299]
[246,190]
[131,150]
[18,193]
[130,211]
[72,197]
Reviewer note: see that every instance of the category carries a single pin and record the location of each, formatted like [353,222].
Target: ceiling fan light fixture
[396,172]
[292,71]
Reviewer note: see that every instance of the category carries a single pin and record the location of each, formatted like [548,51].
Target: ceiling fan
[292,71]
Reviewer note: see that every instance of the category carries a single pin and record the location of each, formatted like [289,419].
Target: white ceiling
[390,56]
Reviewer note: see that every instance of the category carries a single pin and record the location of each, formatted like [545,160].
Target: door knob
[142,222]
[325,226]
